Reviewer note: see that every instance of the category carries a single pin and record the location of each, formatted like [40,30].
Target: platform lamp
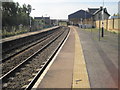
[103,20]
[31,21]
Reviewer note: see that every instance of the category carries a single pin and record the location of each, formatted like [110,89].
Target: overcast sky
[60,9]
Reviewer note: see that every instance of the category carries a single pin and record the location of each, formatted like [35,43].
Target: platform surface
[25,34]
[59,74]
[101,57]
[96,62]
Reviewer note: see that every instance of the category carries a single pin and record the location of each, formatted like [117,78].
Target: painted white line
[47,68]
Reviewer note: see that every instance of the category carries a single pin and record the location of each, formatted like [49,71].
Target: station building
[87,18]
[80,17]
[54,22]
[42,22]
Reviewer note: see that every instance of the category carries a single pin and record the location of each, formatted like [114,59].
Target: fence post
[113,23]
[107,24]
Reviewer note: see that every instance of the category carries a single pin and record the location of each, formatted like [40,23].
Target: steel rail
[30,41]
[4,77]
[29,87]
[9,57]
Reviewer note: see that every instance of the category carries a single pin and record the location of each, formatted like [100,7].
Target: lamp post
[49,22]
[103,20]
[31,20]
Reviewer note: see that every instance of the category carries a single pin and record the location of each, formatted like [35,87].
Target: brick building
[80,17]
[88,17]
[42,22]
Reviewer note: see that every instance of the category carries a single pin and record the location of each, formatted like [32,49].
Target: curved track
[20,57]
[25,74]
[16,50]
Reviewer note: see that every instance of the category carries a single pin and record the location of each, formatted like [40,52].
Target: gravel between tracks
[15,50]
[24,75]
[10,64]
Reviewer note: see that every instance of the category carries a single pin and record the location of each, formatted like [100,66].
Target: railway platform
[25,35]
[83,62]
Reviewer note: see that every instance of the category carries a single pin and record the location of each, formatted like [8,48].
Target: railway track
[26,73]
[16,50]
[14,61]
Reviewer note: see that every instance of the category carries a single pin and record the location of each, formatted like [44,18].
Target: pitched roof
[41,17]
[92,10]
[100,9]
[80,14]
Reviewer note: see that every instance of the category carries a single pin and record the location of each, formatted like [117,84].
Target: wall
[41,23]
[110,24]
[84,21]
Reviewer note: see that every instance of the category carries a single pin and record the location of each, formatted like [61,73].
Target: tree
[116,14]
[29,8]
[13,15]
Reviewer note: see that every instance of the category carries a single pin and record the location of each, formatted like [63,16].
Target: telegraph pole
[99,27]
[103,20]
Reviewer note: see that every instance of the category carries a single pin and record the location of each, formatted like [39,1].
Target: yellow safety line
[80,75]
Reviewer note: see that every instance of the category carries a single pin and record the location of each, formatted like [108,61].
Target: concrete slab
[101,58]
[60,73]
